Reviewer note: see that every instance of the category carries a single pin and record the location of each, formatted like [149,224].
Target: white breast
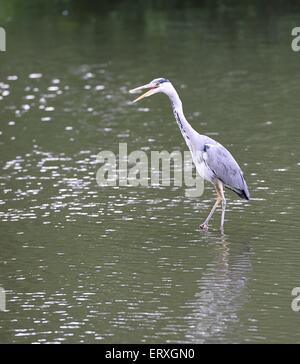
[201,166]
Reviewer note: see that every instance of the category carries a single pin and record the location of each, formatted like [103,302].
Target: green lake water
[82,263]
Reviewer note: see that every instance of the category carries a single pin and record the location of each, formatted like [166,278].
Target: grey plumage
[226,169]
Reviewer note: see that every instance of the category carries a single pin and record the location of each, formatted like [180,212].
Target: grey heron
[213,161]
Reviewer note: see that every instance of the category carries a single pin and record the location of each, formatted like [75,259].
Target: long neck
[186,129]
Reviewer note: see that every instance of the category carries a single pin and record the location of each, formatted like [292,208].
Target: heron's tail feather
[243,193]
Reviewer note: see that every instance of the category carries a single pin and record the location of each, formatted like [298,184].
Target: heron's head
[155,86]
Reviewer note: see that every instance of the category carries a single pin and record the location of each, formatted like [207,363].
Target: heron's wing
[225,168]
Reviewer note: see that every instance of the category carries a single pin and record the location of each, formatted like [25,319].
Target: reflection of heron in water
[213,161]
[222,294]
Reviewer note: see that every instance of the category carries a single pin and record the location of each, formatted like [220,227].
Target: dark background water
[81,263]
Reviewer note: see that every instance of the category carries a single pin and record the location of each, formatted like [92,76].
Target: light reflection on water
[82,263]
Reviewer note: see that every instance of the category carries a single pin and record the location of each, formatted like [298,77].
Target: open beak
[146,94]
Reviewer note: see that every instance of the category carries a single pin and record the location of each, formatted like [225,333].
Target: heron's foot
[204,226]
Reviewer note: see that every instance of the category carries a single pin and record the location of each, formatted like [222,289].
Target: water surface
[81,263]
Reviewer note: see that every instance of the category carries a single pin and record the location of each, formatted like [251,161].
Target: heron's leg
[223,207]
[204,226]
